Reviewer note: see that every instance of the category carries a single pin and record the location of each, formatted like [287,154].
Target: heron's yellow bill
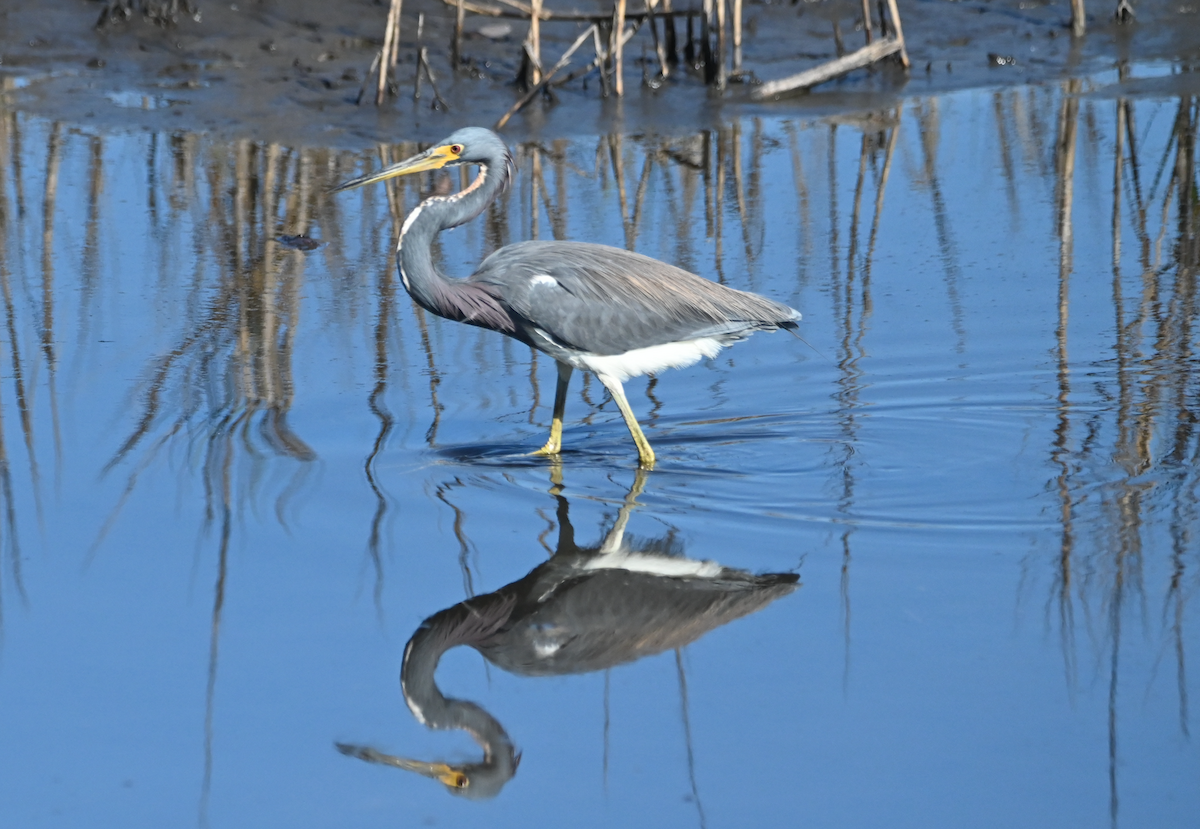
[448,775]
[434,158]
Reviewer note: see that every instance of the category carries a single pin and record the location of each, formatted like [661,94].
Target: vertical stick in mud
[689,43]
[417,74]
[669,34]
[721,45]
[866,4]
[459,15]
[386,61]
[894,11]
[602,55]
[533,43]
[737,35]
[395,50]
[618,48]
[663,69]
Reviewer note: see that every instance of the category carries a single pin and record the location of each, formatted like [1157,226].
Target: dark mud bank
[291,71]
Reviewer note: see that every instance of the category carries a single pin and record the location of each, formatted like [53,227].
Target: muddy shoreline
[290,71]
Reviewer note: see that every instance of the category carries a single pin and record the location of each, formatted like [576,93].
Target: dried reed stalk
[1078,18]
[533,42]
[828,71]
[545,81]
[618,47]
[389,53]
[721,45]
[898,32]
[459,19]
[737,35]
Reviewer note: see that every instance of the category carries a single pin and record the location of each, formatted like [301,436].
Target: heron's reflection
[585,609]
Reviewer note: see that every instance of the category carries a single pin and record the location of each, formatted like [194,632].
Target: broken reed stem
[828,71]
[545,81]
[663,69]
[737,35]
[533,42]
[1078,18]
[423,60]
[595,64]
[894,10]
[601,58]
[387,55]
[395,51]
[571,15]
[459,18]
[722,46]
[619,47]
[362,90]
[525,9]
[866,4]
[669,33]
[417,79]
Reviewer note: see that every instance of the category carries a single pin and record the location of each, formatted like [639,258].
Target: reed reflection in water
[998,412]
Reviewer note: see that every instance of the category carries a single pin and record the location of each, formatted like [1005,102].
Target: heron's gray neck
[434,710]
[422,278]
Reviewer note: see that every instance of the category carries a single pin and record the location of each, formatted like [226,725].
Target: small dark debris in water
[95,63]
[929,68]
[268,46]
[949,68]
[300,242]
[1001,60]
[744,76]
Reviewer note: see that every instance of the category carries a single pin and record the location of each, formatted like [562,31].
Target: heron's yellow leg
[645,453]
[554,445]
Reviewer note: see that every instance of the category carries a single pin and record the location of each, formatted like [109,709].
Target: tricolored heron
[591,307]
[584,609]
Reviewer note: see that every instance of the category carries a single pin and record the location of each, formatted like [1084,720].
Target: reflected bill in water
[587,608]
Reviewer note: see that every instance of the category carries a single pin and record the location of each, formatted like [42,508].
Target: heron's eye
[456,149]
[460,781]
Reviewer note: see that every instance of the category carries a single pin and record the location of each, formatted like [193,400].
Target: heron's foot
[551,449]
[645,453]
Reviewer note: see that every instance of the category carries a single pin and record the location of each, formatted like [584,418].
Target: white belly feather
[654,564]
[650,360]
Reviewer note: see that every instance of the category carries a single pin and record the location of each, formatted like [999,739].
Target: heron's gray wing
[605,300]
[608,617]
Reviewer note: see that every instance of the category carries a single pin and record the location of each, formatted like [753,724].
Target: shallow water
[237,476]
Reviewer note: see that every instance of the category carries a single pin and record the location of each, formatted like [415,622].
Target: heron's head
[470,145]
[477,781]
